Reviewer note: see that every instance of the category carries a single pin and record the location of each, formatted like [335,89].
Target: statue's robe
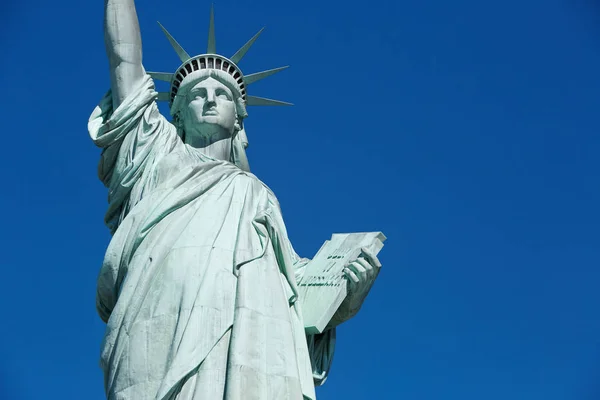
[198,285]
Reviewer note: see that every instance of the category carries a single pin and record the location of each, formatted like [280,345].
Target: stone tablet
[324,287]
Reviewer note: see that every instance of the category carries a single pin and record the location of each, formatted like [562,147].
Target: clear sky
[466,130]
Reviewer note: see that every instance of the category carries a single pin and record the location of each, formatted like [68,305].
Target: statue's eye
[223,94]
[199,94]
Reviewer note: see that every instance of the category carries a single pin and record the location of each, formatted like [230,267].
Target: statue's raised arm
[123,47]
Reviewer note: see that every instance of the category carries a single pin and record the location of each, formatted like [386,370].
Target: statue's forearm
[346,311]
[123,47]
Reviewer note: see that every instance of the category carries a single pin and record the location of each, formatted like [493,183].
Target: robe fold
[198,285]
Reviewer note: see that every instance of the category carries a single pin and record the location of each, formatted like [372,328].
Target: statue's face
[210,105]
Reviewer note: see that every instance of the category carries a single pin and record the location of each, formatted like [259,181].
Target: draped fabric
[198,285]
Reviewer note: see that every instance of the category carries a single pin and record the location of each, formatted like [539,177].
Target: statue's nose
[210,96]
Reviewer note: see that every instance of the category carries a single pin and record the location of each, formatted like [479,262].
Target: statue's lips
[210,113]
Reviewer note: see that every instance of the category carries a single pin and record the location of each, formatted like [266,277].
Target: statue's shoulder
[261,184]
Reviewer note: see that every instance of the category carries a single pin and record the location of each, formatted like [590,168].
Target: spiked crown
[212,60]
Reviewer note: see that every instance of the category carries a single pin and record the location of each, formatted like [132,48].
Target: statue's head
[209,105]
[208,93]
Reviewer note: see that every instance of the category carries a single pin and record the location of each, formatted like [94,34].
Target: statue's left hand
[361,274]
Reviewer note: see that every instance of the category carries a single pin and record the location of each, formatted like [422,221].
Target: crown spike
[161,76]
[250,79]
[213,60]
[261,101]
[163,96]
[211,48]
[183,55]
[237,57]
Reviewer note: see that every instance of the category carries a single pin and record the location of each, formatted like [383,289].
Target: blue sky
[466,131]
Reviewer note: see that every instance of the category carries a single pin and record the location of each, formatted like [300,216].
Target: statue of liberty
[199,285]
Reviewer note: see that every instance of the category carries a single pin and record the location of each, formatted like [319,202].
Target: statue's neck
[217,146]
[220,150]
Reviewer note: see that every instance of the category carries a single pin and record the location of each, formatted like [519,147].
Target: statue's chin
[210,119]
[212,123]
